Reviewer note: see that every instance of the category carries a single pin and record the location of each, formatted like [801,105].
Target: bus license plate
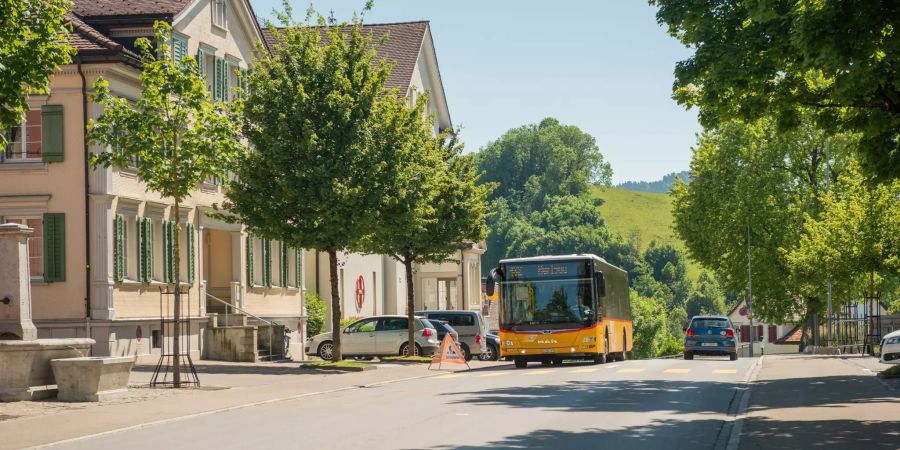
[548,350]
[709,344]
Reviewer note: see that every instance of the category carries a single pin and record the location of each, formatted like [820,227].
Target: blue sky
[602,65]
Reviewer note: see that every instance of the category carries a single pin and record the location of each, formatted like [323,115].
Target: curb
[739,416]
[222,410]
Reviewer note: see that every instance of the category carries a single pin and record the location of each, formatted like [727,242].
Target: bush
[345,322]
[315,311]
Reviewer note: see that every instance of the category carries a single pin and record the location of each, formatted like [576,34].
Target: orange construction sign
[449,352]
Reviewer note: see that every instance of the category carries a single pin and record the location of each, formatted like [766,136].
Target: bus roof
[558,258]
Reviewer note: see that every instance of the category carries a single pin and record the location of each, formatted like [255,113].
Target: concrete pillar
[15,283]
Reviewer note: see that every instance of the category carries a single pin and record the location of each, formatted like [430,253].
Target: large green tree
[33,43]
[433,205]
[175,136]
[839,59]
[315,178]
[753,179]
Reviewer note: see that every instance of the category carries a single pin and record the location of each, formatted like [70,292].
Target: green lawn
[643,216]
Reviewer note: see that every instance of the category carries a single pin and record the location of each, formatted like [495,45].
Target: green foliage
[174,135]
[855,240]
[315,312]
[755,175]
[655,332]
[836,58]
[33,43]
[707,298]
[347,321]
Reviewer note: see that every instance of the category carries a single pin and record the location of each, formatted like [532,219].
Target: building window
[35,242]
[219,14]
[24,141]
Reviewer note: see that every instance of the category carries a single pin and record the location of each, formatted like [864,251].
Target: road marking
[633,370]
[676,370]
[494,374]
[586,370]
[725,371]
[613,366]
[535,372]
[449,375]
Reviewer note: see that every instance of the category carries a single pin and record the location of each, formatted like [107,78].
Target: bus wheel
[624,346]
[545,362]
[556,361]
[521,363]
[600,358]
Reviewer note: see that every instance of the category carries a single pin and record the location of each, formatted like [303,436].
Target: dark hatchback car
[710,335]
[443,327]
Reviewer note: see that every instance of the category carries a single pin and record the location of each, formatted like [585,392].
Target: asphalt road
[635,404]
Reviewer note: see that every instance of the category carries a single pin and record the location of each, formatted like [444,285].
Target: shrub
[315,311]
[346,321]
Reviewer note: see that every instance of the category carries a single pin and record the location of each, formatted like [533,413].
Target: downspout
[87,206]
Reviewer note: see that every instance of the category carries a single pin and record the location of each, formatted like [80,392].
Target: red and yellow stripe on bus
[591,340]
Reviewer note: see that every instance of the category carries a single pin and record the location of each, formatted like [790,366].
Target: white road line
[450,375]
[536,372]
[613,366]
[494,374]
[586,370]
[676,370]
[725,371]
[631,370]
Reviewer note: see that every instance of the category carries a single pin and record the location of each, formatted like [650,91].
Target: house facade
[103,245]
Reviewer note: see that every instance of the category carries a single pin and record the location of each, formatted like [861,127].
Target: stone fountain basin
[91,379]
[25,372]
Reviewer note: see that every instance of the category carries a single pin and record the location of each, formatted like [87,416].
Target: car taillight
[690,332]
[729,333]
[478,339]
[426,332]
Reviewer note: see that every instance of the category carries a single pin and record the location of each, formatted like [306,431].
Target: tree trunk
[335,305]
[410,307]
[176,336]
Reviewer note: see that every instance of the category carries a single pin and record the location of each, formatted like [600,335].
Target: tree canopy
[837,59]
[33,43]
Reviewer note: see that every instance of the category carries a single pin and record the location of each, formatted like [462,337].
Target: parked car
[890,347]
[710,335]
[443,327]
[470,325]
[492,352]
[376,336]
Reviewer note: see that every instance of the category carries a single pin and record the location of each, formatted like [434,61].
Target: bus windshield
[547,295]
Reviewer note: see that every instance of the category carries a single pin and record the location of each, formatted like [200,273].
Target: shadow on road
[830,434]
[237,369]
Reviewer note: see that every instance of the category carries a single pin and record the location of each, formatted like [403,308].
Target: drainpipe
[87,205]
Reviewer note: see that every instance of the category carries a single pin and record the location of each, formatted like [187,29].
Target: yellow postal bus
[562,307]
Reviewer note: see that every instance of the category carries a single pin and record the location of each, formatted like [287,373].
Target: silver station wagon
[376,336]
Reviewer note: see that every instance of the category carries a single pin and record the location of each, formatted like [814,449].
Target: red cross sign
[360,293]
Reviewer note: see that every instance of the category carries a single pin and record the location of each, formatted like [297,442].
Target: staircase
[237,336]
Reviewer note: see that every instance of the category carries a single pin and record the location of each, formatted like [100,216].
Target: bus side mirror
[489,286]
[601,283]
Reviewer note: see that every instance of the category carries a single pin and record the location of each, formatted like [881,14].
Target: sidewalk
[814,401]
[224,385]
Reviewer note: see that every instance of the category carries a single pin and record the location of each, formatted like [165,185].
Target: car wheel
[688,355]
[404,349]
[733,356]
[467,354]
[493,353]
[326,350]
[521,363]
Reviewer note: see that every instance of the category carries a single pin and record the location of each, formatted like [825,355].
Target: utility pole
[750,290]
[829,339]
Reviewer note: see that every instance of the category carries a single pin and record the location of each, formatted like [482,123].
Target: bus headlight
[572,349]
[522,351]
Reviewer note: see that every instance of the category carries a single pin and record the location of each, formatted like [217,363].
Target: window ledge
[39,282]
[220,27]
[128,173]
[28,165]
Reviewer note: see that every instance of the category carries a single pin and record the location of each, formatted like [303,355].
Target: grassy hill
[641,216]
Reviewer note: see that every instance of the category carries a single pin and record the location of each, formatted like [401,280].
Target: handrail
[242,310]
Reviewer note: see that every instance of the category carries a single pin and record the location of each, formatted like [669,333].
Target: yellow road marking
[535,372]
[449,375]
[586,370]
[676,370]
[494,374]
[725,371]
[630,370]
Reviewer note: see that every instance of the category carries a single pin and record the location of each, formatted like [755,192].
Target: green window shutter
[267,262]
[54,247]
[249,259]
[298,267]
[119,248]
[166,254]
[179,48]
[283,265]
[201,64]
[148,249]
[52,148]
[190,249]
[218,84]
[139,249]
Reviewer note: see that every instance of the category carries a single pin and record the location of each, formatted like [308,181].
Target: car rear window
[456,320]
[709,323]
